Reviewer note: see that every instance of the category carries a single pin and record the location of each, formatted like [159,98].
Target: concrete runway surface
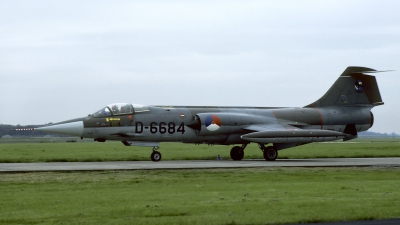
[198,164]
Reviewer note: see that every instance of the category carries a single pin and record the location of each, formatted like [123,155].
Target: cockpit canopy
[120,109]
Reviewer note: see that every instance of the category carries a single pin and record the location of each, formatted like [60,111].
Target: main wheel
[155,156]
[270,153]
[237,153]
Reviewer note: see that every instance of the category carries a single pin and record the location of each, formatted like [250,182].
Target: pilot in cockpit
[115,109]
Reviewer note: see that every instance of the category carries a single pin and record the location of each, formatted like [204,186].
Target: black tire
[270,153]
[237,153]
[156,156]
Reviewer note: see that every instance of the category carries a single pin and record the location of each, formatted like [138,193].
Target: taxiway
[198,164]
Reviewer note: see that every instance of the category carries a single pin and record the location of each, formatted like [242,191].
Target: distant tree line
[375,134]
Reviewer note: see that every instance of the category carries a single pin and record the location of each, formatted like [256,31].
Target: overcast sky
[65,59]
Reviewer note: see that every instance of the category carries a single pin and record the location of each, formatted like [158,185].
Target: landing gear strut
[237,152]
[156,155]
[270,153]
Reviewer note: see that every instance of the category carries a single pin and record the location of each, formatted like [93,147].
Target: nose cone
[73,128]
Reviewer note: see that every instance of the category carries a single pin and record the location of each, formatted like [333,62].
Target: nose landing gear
[237,153]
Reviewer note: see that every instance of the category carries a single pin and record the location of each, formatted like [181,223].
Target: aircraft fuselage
[170,124]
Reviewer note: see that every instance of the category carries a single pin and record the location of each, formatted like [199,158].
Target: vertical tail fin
[353,87]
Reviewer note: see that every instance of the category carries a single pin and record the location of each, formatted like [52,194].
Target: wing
[269,127]
[277,133]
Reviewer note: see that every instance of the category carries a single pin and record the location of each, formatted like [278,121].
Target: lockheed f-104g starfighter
[341,113]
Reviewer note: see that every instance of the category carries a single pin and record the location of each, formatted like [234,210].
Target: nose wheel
[237,153]
[156,155]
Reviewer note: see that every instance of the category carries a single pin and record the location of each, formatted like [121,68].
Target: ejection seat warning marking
[112,119]
[114,122]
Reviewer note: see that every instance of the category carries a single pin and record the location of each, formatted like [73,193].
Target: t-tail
[353,88]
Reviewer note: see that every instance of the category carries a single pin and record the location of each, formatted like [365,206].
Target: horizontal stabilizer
[380,71]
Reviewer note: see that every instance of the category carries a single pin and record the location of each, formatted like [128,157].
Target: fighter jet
[341,113]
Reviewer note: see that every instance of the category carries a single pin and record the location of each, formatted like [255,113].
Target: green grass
[116,151]
[223,196]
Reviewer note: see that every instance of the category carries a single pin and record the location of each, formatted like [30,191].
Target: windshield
[120,109]
[102,112]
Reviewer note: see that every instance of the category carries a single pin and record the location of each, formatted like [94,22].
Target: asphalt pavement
[197,164]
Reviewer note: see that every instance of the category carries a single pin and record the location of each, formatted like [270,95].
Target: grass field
[48,151]
[208,196]
[224,196]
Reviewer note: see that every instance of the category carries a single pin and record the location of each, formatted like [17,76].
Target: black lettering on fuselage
[162,127]
[139,127]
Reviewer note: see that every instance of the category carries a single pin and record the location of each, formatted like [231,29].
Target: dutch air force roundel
[213,122]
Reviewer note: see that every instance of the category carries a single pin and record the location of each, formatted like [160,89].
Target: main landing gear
[237,152]
[156,155]
[270,153]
